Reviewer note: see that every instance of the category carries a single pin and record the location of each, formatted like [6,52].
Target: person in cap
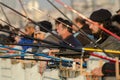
[57,22]
[42,33]
[44,28]
[49,36]
[102,17]
[65,31]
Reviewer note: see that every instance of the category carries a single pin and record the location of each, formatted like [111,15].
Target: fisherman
[29,31]
[81,23]
[65,31]
[102,17]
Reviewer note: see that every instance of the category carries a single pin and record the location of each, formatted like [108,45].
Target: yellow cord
[100,50]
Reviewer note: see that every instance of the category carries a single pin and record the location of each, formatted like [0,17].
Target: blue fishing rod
[52,58]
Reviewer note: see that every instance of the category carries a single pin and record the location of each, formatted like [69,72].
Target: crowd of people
[67,33]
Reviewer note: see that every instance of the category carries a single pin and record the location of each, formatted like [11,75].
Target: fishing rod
[99,50]
[69,45]
[51,57]
[95,55]
[14,28]
[5,14]
[22,31]
[51,17]
[21,35]
[35,54]
[67,62]
[85,49]
[104,57]
[54,59]
[33,45]
[76,12]
[46,55]
[82,32]
[8,22]
[32,59]
[13,55]
[20,1]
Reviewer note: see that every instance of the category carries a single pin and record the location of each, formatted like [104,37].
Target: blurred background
[39,10]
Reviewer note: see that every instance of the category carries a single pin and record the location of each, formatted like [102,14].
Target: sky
[42,3]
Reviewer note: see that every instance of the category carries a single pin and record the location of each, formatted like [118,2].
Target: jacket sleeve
[108,69]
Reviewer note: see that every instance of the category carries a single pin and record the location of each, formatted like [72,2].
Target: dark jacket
[25,41]
[111,43]
[72,41]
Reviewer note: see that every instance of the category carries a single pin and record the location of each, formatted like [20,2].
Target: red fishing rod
[104,57]
[79,14]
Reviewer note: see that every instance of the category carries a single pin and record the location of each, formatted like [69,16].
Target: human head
[79,22]
[64,28]
[41,29]
[45,25]
[29,28]
[102,17]
[39,34]
[58,21]
[6,27]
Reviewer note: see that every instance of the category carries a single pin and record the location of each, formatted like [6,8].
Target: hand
[97,72]
[51,52]
[77,60]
